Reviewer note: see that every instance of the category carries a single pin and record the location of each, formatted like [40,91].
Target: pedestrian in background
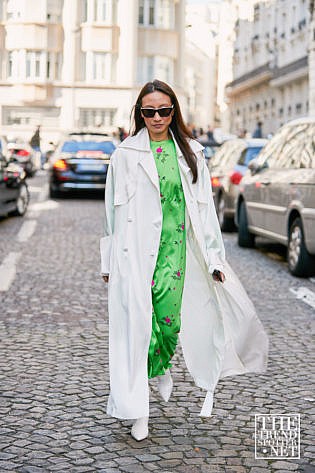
[258,131]
[35,144]
[164,259]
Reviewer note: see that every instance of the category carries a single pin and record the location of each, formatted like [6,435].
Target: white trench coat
[220,334]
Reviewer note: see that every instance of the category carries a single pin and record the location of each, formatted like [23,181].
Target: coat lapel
[141,143]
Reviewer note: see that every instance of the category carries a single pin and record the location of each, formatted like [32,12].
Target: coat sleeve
[106,240]
[212,232]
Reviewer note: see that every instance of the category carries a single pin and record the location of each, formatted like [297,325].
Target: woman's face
[157,126]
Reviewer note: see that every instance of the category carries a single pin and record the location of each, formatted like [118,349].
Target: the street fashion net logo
[277,436]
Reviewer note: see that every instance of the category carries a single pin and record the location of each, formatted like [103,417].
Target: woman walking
[164,259]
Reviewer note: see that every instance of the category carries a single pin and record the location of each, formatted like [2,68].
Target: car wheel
[22,201]
[300,262]
[245,238]
[226,223]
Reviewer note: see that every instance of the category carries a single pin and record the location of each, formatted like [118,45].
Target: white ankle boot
[140,428]
[165,385]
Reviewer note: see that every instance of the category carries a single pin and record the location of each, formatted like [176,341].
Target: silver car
[227,168]
[277,200]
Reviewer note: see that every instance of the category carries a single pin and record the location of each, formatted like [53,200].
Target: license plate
[91,168]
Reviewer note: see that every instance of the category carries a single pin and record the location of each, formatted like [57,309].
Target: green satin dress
[169,274]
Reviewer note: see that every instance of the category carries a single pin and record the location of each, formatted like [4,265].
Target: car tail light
[60,165]
[236,178]
[23,152]
[215,182]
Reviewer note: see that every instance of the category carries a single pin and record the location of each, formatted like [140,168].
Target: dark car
[14,194]
[80,163]
[227,169]
[277,200]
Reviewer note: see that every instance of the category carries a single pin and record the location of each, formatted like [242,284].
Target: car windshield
[228,154]
[249,154]
[106,147]
[292,147]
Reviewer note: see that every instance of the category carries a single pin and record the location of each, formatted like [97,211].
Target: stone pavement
[54,372]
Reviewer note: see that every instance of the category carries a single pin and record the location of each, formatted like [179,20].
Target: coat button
[129,219]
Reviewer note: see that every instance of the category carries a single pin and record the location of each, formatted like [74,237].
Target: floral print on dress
[177,274]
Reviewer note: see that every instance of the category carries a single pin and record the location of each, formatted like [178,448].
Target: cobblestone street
[53,360]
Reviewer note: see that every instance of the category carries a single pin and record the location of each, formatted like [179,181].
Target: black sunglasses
[163,111]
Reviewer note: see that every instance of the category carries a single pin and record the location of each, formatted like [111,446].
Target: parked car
[210,148]
[227,167]
[14,194]
[22,154]
[80,163]
[277,198]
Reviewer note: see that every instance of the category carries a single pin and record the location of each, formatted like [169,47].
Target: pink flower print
[183,226]
[158,351]
[159,149]
[167,320]
[177,274]
[152,283]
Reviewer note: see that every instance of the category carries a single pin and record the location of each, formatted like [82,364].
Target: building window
[141,12]
[96,117]
[33,64]
[101,10]
[15,9]
[47,116]
[83,11]
[99,67]
[298,108]
[82,66]
[54,11]
[10,63]
[157,13]
[53,66]
[166,14]
[15,63]
[147,12]
[164,68]
[161,67]
[256,12]
[151,12]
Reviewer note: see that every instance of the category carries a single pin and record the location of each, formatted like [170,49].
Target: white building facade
[312,59]
[201,63]
[69,64]
[270,66]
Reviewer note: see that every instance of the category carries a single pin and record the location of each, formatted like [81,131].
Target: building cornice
[265,73]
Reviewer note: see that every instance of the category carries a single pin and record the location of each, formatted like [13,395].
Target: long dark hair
[178,127]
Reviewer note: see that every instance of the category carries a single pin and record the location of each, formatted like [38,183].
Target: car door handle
[265,183]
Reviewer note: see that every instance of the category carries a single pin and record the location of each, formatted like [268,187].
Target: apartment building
[271,65]
[69,64]
[312,59]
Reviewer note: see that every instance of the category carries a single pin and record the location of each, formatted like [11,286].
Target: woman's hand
[105,278]
[218,275]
